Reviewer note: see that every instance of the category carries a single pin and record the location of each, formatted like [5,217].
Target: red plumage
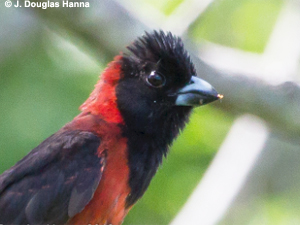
[96,167]
[100,115]
[102,100]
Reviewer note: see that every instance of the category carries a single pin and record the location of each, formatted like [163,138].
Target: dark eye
[156,80]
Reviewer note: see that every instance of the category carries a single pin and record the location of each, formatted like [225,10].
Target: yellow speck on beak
[220,96]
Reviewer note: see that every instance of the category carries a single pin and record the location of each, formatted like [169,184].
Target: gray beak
[197,92]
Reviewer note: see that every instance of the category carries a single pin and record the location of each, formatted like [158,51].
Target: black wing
[53,182]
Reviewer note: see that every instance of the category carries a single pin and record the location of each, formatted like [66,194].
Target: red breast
[101,116]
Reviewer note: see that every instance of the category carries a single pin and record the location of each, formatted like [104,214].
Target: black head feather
[158,45]
[152,119]
[165,49]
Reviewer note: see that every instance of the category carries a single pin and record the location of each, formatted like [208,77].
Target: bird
[96,167]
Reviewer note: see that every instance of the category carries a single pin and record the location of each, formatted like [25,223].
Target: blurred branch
[215,193]
[16,30]
[184,15]
[107,27]
[279,105]
[280,59]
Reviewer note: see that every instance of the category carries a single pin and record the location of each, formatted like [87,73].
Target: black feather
[152,119]
[53,182]
[156,46]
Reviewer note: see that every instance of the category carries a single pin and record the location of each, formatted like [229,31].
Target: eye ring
[156,79]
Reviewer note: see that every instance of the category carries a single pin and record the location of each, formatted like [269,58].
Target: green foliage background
[46,79]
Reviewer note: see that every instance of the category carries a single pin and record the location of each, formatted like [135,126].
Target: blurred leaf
[244,24]
[166,7]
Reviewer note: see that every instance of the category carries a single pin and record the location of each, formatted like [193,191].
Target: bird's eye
[156,80]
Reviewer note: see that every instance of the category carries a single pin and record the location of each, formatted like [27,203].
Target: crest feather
[160,45]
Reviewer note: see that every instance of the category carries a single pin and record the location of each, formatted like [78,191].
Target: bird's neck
[102,101]
[144,157]
[146,152]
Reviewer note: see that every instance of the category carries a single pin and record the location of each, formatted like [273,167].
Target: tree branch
[106,27]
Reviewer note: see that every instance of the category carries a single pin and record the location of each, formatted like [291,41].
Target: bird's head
[159,84]
[153,87]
